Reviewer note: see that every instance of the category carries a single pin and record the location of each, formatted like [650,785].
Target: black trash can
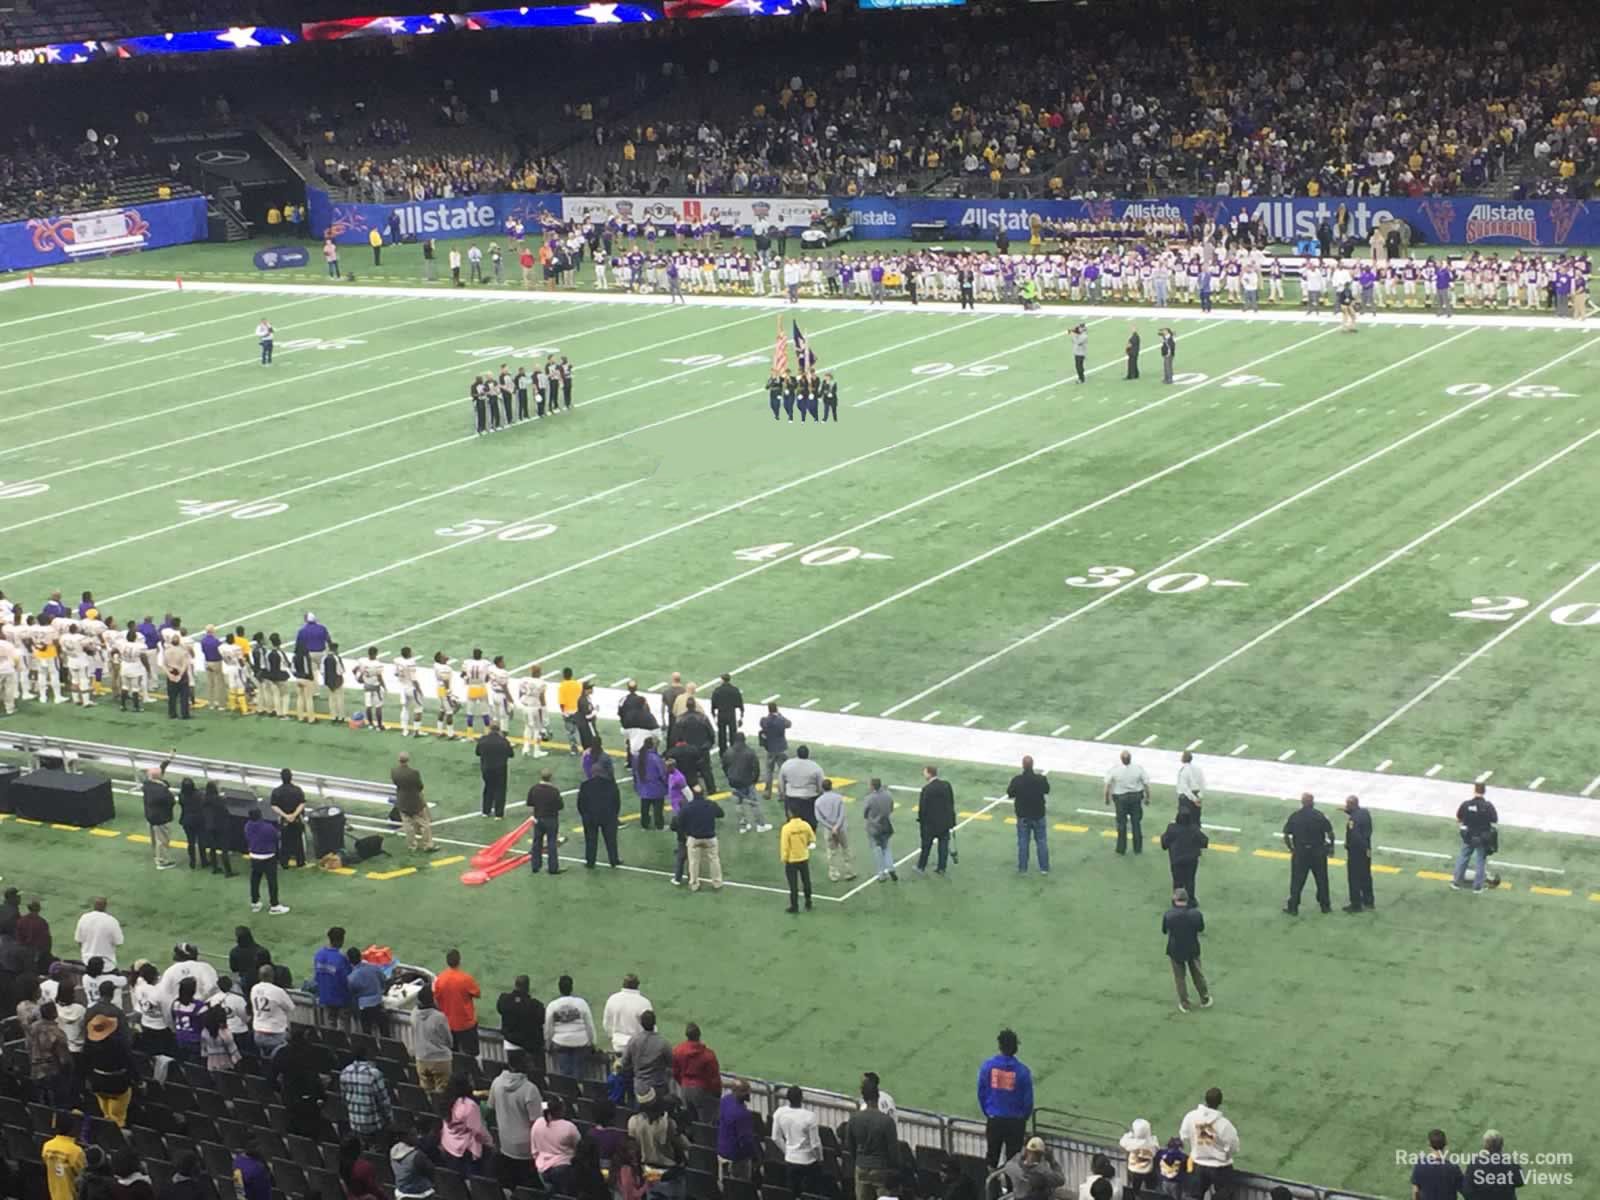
[327,829]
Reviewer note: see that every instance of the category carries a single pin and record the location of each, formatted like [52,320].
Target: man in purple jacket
[737,1146]
[650,782]
[261,847]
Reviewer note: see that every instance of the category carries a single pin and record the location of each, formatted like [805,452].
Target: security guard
[727,703]
[1129,787]
[1358,856]
[1191,790]
[1309,837]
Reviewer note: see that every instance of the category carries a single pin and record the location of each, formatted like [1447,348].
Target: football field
[1367,549]
[1373,551]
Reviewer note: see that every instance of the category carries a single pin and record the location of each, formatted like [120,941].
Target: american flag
[780,352]
[691,9]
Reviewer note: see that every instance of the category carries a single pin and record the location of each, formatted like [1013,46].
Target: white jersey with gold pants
[75,653]
[475,674]
[405,670]
[369,673]
[46,654]
[443,675]
[133,670]
[10,672]
[499,694]
[530,707]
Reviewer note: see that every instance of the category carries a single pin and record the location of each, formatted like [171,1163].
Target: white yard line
[989,803]
[577,860]
[857,528]
[1016,725]
[971,721]
[1063,519]
[64,312]
[1589,790]
[389,464]
[282,380]
[245,360]
[851,707]
[387,567]
[1455,671]
[183,303]
[1334,593]
[407,416]
[1059,730]
[723,510]
[80,350]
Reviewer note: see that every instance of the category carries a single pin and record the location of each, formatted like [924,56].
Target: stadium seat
[482,1188]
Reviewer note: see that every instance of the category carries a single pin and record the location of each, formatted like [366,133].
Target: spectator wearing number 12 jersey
[1005,1094]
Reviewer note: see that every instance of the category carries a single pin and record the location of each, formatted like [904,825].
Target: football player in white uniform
[443,674]
[405,670]
[369,674]
[475,674]
[530,707]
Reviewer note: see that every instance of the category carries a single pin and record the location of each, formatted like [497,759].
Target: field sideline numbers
[511,352]
[1503,608]
[521,531]
[237,509]
[16,491]
[711,360]
[1174,584]
[1192,378]
[1525,391]
[976,371]
[822,556]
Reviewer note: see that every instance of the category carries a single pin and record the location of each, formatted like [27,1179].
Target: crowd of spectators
[44,177]
[1124,104]
[192,1080]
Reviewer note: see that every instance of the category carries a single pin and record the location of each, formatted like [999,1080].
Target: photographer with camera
[1476,819]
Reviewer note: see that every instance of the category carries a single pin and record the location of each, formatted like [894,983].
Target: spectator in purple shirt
[312,638]
[150,634]
[1443,305]
[85,604]
[216,685]
[251,1179]
[261,840]
[737,1146]
[650,784]
[52,609]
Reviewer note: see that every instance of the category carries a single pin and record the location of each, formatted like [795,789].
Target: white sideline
[1455,671]
[1386,560]
[1428,796]
[1065,311]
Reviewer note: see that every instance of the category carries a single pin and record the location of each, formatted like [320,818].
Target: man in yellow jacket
[375,240]
[794,848]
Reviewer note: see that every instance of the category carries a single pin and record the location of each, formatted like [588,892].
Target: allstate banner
[1454,220]
[743,213]
[46,241]
[468,216]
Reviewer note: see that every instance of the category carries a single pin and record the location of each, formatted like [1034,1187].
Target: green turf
[669,488]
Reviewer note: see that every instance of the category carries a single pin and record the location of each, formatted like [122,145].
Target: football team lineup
[1308,548]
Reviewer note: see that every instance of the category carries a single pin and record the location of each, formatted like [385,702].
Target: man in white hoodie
[568,1029]
[622,1012]
[1212,1142]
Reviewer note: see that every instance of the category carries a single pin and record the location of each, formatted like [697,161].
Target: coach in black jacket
[727,705]
[494,752]
[936,817]
[599,807]
[1183,841]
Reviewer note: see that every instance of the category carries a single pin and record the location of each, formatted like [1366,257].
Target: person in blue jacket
[1005,1096]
